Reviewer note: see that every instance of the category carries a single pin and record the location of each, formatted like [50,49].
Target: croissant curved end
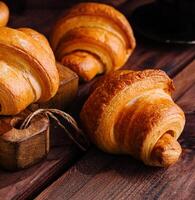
[28,71]
[132,112]
[98,30]
[166,151]
[4,14]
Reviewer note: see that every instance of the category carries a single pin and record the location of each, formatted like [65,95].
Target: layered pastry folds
[132,112]
[4,14]
[92,38]
[28,71]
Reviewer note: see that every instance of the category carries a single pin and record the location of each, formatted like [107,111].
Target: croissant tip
[167,151]
[170,157]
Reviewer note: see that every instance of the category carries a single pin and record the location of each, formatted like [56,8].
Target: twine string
[51,113]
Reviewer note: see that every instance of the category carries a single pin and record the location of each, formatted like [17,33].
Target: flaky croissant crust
[129,111]
[90,10]
[99,31]
[4,14]
[28,69]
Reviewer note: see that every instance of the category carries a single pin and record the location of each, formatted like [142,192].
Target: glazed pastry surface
[92,38]
[4,14]
[132,112]
[28,71]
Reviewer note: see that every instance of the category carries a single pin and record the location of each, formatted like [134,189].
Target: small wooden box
[25,147]
[21,148]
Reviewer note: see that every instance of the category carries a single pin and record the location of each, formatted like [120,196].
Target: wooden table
[69,174]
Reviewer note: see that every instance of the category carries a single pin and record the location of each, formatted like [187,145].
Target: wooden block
[20,148]
[67,90]
[23,148]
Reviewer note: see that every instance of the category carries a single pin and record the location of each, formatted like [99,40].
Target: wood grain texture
[102,176]
[18,148]
[189,95]
[67,90]
[171,59]
[122,175]
[125,178]
[22,184]
[184,80]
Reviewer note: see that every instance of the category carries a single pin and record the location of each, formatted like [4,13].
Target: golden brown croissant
[92,38]
[4,14]
[28,71]
[132,112]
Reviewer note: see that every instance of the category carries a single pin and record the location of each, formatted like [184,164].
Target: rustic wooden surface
[102,176]
[67,90]
[18,148]
[98,175]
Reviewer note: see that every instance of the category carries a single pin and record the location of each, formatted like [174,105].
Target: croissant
[28,71]
[132,112]
[92,38]
[4,14]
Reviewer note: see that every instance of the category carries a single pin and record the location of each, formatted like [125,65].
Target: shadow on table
[110,174]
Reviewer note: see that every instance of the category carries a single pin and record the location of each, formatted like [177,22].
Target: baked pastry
[28,71]
[92,38]
[132,112]
[4,14]
[66,93]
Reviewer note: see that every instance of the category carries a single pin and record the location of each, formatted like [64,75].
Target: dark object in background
[16,6]
[170,21]
[49,4]
[60,4]
[19,5]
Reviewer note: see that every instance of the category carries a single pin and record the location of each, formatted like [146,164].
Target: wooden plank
[184,80]
[22,184]
[28,182]
[185,85]
[126,178]
[171,59]
[79,175]
[189,96]
[102,176]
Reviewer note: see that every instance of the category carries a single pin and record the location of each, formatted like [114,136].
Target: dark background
[17,5]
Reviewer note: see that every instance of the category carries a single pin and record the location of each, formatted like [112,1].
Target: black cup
[179,13]
[16,6]
[167,21]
